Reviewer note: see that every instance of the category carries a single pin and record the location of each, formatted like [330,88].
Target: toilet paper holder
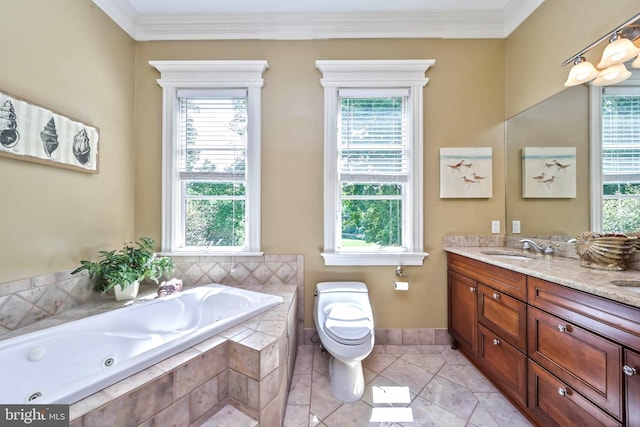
[402,281]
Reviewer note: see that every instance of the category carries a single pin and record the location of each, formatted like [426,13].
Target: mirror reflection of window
[616,155]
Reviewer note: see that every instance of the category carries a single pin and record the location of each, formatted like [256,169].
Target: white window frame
[374,74]
[175,75]
[595,148]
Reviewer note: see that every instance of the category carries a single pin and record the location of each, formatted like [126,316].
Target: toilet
[344,321]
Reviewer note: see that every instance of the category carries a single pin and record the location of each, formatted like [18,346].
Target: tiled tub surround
[112,346]
[26,301]
[248,366]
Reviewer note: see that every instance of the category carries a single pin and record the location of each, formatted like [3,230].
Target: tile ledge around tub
[244,330]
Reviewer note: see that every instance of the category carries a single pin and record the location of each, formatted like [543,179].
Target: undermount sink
[626,283]
[508,255]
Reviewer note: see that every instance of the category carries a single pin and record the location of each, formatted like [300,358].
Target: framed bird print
[466,172]
[549,172]
[32,133]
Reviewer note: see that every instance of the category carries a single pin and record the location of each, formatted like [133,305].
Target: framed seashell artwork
[32,133]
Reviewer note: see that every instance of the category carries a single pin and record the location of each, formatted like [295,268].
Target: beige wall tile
[136,407]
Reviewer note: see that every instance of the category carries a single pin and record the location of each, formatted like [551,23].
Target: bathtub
[68,362]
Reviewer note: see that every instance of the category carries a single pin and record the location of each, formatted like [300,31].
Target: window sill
[373,258]
[210,253]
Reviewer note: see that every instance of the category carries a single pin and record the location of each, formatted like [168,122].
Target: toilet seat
[347,324]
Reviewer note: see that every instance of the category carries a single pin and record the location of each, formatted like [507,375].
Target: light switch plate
[515,227]
[495,227]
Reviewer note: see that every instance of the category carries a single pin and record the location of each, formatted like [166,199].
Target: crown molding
[122,13]
[304,26]
[516,12]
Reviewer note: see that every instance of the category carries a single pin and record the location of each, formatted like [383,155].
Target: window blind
[620,134]
[373,136]
[212,134]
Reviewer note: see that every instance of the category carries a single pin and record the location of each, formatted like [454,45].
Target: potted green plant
[122,270]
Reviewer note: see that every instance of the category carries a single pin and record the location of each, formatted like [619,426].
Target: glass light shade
[582,72]
[618,52]
[612,75]
[636,62]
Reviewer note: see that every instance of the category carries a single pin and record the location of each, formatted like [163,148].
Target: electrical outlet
[495,227]
[515,227]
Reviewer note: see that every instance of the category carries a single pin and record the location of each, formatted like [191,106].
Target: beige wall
[557,30]
[463,108]
[69,57]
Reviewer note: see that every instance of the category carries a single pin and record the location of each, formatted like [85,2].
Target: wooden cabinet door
[503,363]
[588,363]
[504,315]
[554,403]
[632,382]
[463,311]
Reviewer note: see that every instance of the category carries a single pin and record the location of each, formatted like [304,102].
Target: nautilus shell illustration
[9,136]
[81,148]
[49,137]
[604,251]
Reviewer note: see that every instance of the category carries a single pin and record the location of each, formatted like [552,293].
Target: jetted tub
[68,362]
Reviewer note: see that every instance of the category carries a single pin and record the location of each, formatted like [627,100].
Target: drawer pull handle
[562,328]
[496,341]
[496,296]
[472,289]
[562,392]
[629,371]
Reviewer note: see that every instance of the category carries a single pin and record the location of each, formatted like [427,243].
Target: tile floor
[444,390]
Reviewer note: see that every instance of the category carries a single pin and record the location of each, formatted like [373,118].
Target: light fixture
[581,72]
[612,75]
[611,68]
[619,50]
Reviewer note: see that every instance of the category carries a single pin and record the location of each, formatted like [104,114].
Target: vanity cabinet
[564,356]
[631,370]
[489,299]
[463,318]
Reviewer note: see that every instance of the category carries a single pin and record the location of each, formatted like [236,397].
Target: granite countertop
[561,270]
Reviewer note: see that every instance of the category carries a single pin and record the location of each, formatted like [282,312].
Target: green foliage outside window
[621,215]
[371,222]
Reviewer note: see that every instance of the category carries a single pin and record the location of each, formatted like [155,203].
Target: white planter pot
[130,292]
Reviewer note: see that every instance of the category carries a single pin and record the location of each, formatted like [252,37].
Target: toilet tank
[330,287]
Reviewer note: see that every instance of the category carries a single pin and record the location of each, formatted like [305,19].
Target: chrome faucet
[527,244]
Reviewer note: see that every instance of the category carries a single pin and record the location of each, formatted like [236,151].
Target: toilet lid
[348,325]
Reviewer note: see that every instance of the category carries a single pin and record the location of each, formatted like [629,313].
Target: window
[211,155]
[616,157]
[373,209]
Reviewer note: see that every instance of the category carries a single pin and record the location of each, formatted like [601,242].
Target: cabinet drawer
[632,361]
[504,315]
[554,403]
[510,282]
[611,319]
[586,362]
[503,363]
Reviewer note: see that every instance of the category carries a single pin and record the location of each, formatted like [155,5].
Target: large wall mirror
[560,121]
